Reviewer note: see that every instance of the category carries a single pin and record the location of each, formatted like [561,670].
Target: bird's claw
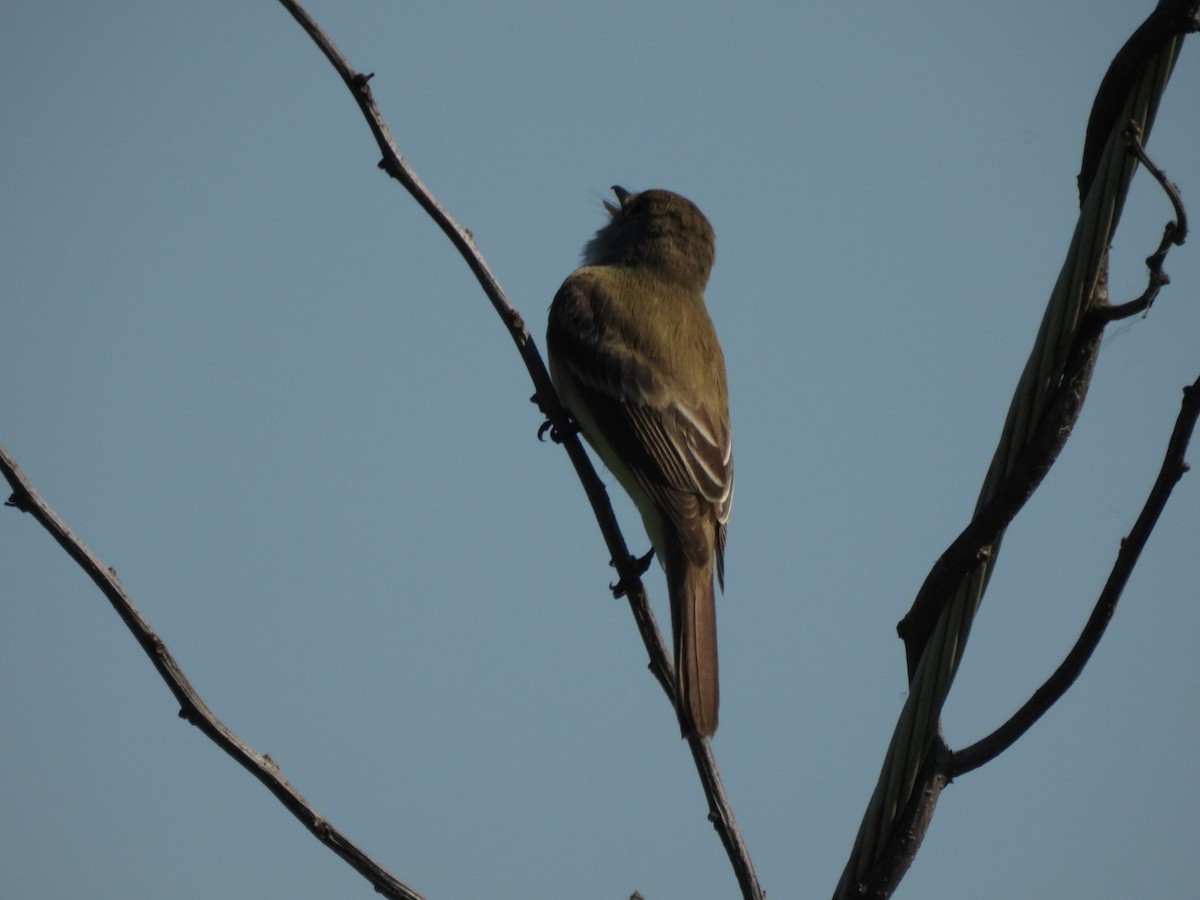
[640,565]
[557,434]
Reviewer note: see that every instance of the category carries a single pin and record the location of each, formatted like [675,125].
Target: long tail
[694,621]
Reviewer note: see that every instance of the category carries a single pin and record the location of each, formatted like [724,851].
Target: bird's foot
[640,565]
[557,434]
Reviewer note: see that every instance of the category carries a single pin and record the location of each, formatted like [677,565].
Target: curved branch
[983,533]
[938,626]
[191,707]
[1169,19]
[988,524]
[1174,234]
[720,812]
[1173,468]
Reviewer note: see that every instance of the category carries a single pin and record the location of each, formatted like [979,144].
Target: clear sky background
[256,380]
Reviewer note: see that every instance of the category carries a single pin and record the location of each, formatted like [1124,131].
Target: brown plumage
[636,361]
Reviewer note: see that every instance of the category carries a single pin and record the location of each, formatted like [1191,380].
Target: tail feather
[694,620]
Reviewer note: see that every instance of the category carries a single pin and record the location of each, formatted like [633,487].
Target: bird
[634,358]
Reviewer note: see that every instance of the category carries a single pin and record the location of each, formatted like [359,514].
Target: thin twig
[192,708]
[1133,140]
[1173,468]
[1174,234]
[626,565]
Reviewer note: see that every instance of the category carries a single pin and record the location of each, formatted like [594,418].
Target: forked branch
[1173,468]
[1047,400]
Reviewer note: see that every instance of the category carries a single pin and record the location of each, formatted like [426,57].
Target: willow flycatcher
[635,359]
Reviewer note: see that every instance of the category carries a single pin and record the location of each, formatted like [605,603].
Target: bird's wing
[678,449]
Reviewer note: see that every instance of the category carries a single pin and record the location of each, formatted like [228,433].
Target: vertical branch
[1047,399]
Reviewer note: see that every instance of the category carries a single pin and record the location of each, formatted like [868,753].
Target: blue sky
[257,381]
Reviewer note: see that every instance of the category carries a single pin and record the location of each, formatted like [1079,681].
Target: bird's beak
[622,198]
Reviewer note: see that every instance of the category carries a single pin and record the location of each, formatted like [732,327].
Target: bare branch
[626,565]
[986,528]
[1169,19]
[192,708]
[911,825]
[1049,392]
[1174,234]
[1173,468]
[989,523]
